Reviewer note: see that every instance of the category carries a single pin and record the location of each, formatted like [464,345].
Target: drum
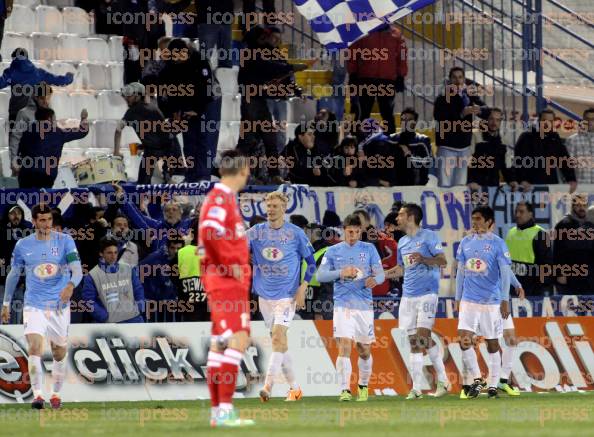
[100,170]
[65,177]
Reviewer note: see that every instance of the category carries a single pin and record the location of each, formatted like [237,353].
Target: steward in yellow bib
[192,304]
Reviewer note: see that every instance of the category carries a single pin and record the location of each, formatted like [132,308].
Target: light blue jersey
[419,279]
[276,259]
[482,256]
[351,293]
[45,264]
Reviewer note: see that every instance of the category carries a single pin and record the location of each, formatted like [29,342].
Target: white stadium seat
[98,50]
[72,48]
[228,135]
[5,162]
[227,78]
[77,21]
[4,98]
[3,133]
[104,132]
[22,20]
[62,105]
[28,3]
[291,131]
[95,76]
[48,19]
[300,110]
[60,3]
[231,107]
[116,50]
[82,100]
[12,40]
[61,68]
[116,74]
[45,46]
[111,105]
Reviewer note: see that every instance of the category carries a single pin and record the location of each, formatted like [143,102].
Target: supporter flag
[338,23]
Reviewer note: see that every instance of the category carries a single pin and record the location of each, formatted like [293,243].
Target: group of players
[276,250]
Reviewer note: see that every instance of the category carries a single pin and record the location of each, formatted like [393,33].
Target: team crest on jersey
[54,251]
[272,253]
[362,256]
[418,244]
[46,270]
[487,248]
[476,265]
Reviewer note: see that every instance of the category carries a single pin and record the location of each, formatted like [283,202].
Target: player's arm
[306,252]
[73,260]
[138,291]
[377,270]
[517,285]
[438,258]
[505,273]
[327,272]
[398,270]
[460,272]
[17,265]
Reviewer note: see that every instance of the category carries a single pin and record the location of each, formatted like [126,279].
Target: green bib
[314,280]
[188,262]
[519,243]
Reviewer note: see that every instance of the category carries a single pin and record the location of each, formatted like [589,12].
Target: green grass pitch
[551,414]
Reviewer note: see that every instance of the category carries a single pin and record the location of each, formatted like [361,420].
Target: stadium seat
[116,50]
[4,98]
[300,110]
[95,76]
[291,131]
[12,40]
[111,105]
[28,3]
[72,48]
[60,3]
[227,78]
[104,131]
[228,135]
[62,105]
[3,133]
[116,73]
[62,68]
[48,19]
[98,50]
[5,163]
[231,107]
[22,20]
[76,21]
[45,46]
[82,100]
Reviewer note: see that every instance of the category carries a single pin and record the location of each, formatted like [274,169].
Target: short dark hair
[232,162]
[299,220]
[486,211]
[20,53]
[349,140]
[57,218]
[352,220]
[410,110]
[391,218]
[364,213]
[415,210]
[495,109]
[454,69]
[106,242]
[118,216]
[44,114]
[588,111]
[546,111]
[529,205]
[302,128]
[40,208]
[177,239]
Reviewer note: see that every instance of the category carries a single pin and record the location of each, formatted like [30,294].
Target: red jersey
[222,241]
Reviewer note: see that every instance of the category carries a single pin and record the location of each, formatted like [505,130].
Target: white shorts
[482,319]
[508,323]
[354,324]
[277,312]
[49,324]
[417,312]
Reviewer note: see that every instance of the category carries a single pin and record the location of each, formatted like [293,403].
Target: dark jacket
[337,175]
[91,297]
[301,164]
[449,109]
[489,161]
[206,7]
[531,145]
[384,160]
[574,247]
[158,276]
[193,82]
[23,72]
[9,235]
[419,161]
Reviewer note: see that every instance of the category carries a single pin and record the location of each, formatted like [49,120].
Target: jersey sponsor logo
[272,254]
[408,260]
[46,270]
[218,213]
[476,265]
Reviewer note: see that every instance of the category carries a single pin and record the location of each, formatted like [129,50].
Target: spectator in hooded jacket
[381,76]
[41,148]
[159,275]
[302,158]
[539,152]
[488,159]
[346,169]
[454,113]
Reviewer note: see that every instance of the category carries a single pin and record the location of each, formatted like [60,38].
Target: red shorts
[229,312]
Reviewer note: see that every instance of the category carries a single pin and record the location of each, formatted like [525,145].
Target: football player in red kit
[223,249]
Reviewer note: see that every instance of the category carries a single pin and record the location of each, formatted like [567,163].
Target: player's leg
[508,352]
[491,328]
[35,323]
[279,347]
[407,321]
[425,322]
[57,333]
[494,365]
[468,319]
[364,337]
[344,332]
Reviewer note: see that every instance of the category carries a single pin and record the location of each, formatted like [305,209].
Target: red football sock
[213,370]
[228,375]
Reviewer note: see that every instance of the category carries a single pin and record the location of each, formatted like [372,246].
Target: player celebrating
[277,249]
[52,270]
[482,297]
[223,249]
[420,256]
[355,268]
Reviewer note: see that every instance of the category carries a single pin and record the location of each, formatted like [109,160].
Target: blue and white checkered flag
[338,23]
